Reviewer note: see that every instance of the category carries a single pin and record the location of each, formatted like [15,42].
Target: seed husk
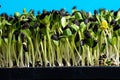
[82,42]
[76,22]
[100,58]
[25,47]
[77,37]
[64,62]
[90,26]
[10,18]
[67,13]
[56,63]
[22,22]
[112,11]
[15,64]
[95,28]
[113,22]
[4,36]
[44,14]
[71,61]
[42,26]
[55,15]
[5,15]
[116,27]
[87,34]
[38,12]
[63,13]
[38,64]
[95,12]
[48,64]
[94,43]
[86,21]
[104,56]
[30,64]
[62,10]
[25,25]
[23,37]
[55,37]
[29,19]
[115,13]
[92,19]
[16,33]
[15,20]
[35,25]
[74,7]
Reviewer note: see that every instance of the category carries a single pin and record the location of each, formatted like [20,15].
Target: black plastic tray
[81,73]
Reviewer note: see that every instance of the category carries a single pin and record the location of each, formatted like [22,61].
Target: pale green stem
[49,46]
[45,54]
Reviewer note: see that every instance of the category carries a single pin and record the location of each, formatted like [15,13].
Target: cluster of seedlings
[58,38]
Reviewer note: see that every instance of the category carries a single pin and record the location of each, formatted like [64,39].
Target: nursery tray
[55,73]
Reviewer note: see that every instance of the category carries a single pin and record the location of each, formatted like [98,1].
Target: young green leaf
[64,22]
[56,42]
[67,32]
[118,15]
[75,27]
[16,14]
[82,26]
[78,15]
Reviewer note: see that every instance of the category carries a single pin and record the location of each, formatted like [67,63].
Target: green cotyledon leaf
[75,27]
[56,42]
[63,21]
[91,42]
[118,15]
[16,14]
[82,26]
[112,40]
[46,20]
[67,32]
[78,15]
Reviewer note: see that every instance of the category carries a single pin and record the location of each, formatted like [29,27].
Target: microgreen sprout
[58,38]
